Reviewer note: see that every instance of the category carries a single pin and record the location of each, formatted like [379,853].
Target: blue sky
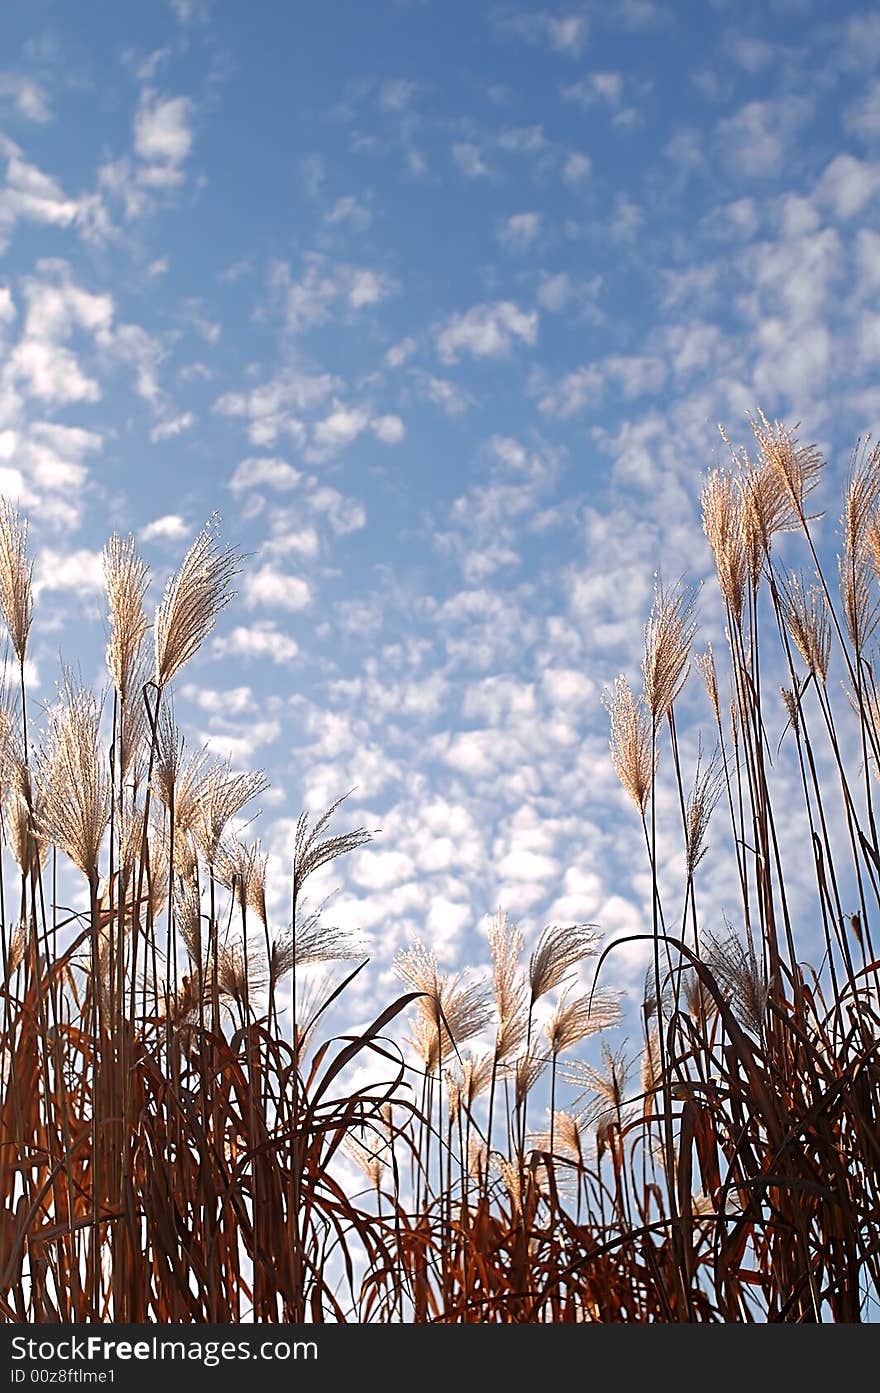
[439,305]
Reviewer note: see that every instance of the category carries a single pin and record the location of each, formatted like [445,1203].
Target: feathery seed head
[724,525]
[700,805]
[705,665]
[794,469]
[669,634]
[16,572]
[631,742]
[806,618]
[126,577]
[511,992]
[73,779]
[193,598]
[734,963]
[577,1019]
[559,949]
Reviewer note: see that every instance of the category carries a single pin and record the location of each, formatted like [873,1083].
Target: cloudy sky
[439,305]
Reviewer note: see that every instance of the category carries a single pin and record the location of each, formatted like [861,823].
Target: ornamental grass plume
[607,1084]
[669,634]
[558,950]
[194,596]
[450,1010]
[793,469]
[241,867]
[569,1137]
[126,577]
[734,963]
[313,942]
[705,665]
[575,1020]
[631,744]
[707,789]
[221,796]
[16,573]
[510,989]
[805,614]
[311,849]
[73,779]
[722,508]
[860,536]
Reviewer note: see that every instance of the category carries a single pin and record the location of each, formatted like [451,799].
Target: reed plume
[558,950]
[510,990]
[631,744]
[794,469]
[311,849]
[724,525]
[669,634]
[16,573]
[220,796]
[707,788]
[575,1020]
[705,665]
[126,577]
[73,780]
[194,596]
[735,965]
[806,617]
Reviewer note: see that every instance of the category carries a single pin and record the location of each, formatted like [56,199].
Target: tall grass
[177,1140]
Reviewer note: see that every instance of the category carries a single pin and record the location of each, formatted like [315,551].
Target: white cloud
[271,587]
[342,426]
[240,744]
[389,429]
[367,288]
[232,701]
[756,140]
[263,641]
[468,158]
[41,364]
[325,290]
[449,396]
[519,231]
[349,210]
[749,52]
[576,168]
[344,515]
[573,393]
[29,195]
[168,430]
[190,11]
[170,527]
[162,137]
[486,331]
[555,292]
[398,353]
[278,406]
[81,571]
[595,87]
[848,185]
[627,220]
[263,472]
[379,870]
[29,98]
[563,33]
[862,117]
[397,94]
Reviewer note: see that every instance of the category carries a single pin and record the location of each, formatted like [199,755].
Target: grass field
[176,1143]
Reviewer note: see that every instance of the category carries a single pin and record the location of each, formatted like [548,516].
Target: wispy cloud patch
[486,331]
